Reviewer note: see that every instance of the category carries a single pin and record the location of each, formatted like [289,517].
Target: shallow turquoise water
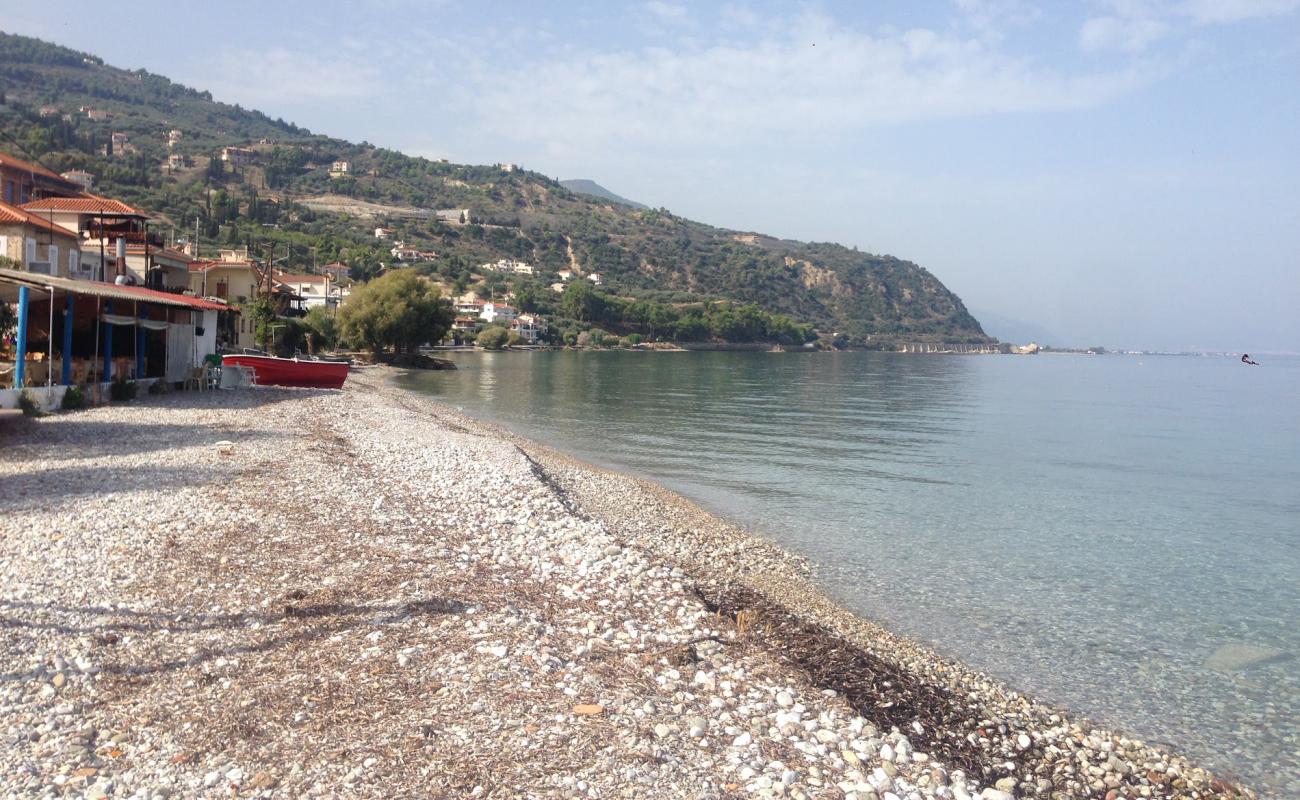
[1090,529]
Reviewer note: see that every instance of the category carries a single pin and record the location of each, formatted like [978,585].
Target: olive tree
[399,310]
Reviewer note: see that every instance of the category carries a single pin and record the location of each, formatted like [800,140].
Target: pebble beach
[298,593]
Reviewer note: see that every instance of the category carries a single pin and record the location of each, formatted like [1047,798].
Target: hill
[593,189]
[160,145]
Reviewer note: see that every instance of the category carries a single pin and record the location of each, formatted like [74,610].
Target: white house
[315,290]
[594,277]
[509,266]
[566,274]
[383,233]
[340,169]
[530,327]
[498,312]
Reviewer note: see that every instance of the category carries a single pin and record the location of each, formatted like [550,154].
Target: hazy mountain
[593,189]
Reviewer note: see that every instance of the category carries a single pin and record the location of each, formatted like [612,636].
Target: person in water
[1245,359]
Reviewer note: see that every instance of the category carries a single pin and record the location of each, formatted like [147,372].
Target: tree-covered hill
[292,188]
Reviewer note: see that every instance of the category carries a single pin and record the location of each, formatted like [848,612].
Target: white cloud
[817,79]
[1227,11]
[990,18]
[1132,35]
[667,12]
[1134,25]
[281,77]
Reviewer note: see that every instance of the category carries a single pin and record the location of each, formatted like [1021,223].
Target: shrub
[74,397]
[492,338]
[29,405]
[514,338]
[121,390]
[631,340]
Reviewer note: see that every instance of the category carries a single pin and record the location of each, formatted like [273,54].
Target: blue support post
[67,340]
[20,363]
[139,346]
[108,344]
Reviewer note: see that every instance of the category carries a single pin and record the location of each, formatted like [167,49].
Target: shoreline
[781,583]
[470,614]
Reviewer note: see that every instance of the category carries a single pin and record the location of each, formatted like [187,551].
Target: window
[53,258]
[9,191]
[31,251]
[222,289]
[74,263]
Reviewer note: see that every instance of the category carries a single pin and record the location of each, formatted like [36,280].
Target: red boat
[271,371]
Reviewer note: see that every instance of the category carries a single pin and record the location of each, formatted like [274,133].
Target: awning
[119,319]
[10,279]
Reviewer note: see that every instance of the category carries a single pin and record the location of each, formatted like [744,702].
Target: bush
[514,338]
[74,397]
[29,405]
[492,338]
[121,390]
[632,340]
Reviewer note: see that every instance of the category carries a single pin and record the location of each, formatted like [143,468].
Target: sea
[1116,535]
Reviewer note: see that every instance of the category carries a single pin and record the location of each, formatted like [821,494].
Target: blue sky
[1119,172]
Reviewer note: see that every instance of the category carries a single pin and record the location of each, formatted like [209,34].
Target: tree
[322,326]
[260,313]
[581,301]
[398,310]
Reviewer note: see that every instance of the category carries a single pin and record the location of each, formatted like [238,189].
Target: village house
[403,253]
[173,136]
[530,327]
[177,161]
[565,274]
[86,180]
[49,111]
[315,291]
[594,277]
[508,266]
[557,287]
[507,167]
[339,169]
[106,228]
[22,182]
[498,312]
[337,271]
[158,268]
[96,114]
[383,233]
[470,306]
[237,156]
[37,244]
[235,279]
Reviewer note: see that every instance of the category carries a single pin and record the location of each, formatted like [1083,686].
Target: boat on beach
[272,371]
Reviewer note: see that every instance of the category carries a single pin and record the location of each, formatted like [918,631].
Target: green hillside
[652,262]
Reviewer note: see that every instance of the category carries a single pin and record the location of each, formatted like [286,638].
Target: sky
[1122,173]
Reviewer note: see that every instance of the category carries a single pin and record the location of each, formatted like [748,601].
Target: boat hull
[268,371]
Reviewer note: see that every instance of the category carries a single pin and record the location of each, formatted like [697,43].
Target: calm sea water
[1105,533]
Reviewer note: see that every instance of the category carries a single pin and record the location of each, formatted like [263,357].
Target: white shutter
[31,252]
[74,263]
[53,259]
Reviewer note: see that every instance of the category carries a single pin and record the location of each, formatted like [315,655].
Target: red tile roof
[16,215]
[9,161]
[89,204]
